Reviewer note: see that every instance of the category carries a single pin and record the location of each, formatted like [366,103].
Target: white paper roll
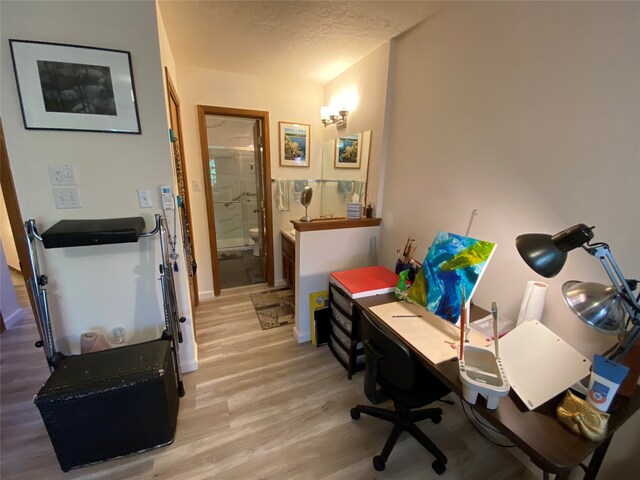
[533,302]
[92,342]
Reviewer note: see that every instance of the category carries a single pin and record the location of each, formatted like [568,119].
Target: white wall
[367,81]
[323,252]
[182,283]
[529,112]
[289,101]
[108,286]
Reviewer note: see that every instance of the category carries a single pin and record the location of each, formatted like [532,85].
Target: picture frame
[295,143]
[74,87]
[348,151]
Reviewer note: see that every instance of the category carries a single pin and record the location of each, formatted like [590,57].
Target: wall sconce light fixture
[331,116]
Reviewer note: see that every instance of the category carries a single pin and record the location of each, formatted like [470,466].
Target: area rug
[274,308]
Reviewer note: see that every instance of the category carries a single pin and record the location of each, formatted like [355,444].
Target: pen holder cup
[406,266]
[482,373]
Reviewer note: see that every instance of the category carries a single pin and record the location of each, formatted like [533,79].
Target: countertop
[289,234]
[334,223]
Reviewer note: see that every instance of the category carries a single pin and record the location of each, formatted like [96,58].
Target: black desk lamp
[608,309]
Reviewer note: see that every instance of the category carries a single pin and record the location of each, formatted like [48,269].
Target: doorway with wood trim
[16,227]
[180,174]
[235,159]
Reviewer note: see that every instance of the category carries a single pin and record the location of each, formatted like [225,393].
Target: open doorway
[13,233]
[235,153]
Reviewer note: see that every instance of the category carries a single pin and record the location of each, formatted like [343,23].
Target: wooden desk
[537,433]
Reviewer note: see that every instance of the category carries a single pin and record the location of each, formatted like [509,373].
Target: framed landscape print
[69,87]
[348,152]
[294,144]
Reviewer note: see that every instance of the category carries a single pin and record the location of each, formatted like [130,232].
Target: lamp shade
[597,305]
[541,254]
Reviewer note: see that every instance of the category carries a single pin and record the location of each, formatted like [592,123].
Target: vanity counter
[289,235]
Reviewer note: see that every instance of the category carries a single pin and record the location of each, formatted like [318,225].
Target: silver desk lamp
[608,309]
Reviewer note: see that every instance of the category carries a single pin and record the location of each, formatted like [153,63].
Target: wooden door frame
[172,95]
[263,116]
[15,217]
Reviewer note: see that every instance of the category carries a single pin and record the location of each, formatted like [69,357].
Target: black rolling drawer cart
[344,339]
[114,402]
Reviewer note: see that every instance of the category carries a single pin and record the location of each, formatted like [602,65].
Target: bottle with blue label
[606,377]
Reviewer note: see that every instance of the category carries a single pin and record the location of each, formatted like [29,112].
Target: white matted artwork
[294,144]
[348,151]
[73,87]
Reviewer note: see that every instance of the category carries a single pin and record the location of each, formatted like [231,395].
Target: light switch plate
[61,175]
[66,197]
[197,186]
[144,198]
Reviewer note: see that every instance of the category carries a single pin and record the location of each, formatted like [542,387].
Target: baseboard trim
[207,295]
[190,366]
[301,338]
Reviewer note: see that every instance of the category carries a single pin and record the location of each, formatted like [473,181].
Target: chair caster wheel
[437,419]
[378,463]
[355,414]
[438,467]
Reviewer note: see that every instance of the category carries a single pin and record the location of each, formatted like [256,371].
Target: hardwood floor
[260,406]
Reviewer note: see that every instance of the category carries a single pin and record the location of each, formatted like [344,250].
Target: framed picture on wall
[348,151]
[294,144]
[72,87]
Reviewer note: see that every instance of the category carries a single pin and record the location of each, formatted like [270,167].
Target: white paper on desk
[539,364]
[429,334]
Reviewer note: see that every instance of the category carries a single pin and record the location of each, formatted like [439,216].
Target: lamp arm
[601,252]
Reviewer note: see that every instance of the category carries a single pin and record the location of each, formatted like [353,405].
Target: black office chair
[410,386]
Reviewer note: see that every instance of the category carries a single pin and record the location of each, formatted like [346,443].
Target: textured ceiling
[310,41]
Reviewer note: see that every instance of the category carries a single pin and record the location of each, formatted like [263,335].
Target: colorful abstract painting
[454,263]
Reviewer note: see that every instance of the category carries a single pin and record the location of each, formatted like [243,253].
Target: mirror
[305,199]
[345,164]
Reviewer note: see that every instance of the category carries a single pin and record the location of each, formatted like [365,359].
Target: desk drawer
[344,356]
[345,322]
[343,338]
[339,298]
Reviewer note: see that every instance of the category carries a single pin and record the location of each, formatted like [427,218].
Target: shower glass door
[235,175]
[234,195]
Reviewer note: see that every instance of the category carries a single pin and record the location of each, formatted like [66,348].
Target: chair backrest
[395,363]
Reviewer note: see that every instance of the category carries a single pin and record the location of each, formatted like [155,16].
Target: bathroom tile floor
[239,268]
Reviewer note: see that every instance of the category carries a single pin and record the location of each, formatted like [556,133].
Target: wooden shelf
[334,223]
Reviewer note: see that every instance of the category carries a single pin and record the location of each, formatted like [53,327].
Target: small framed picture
[294,144]
[348,151]
[72,87]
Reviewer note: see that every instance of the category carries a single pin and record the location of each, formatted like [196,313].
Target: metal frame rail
[38,281]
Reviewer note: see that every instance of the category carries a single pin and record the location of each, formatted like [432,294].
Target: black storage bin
[111,403]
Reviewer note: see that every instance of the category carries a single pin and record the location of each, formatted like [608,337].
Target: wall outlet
[66,197]
[61,175]
[144,198]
